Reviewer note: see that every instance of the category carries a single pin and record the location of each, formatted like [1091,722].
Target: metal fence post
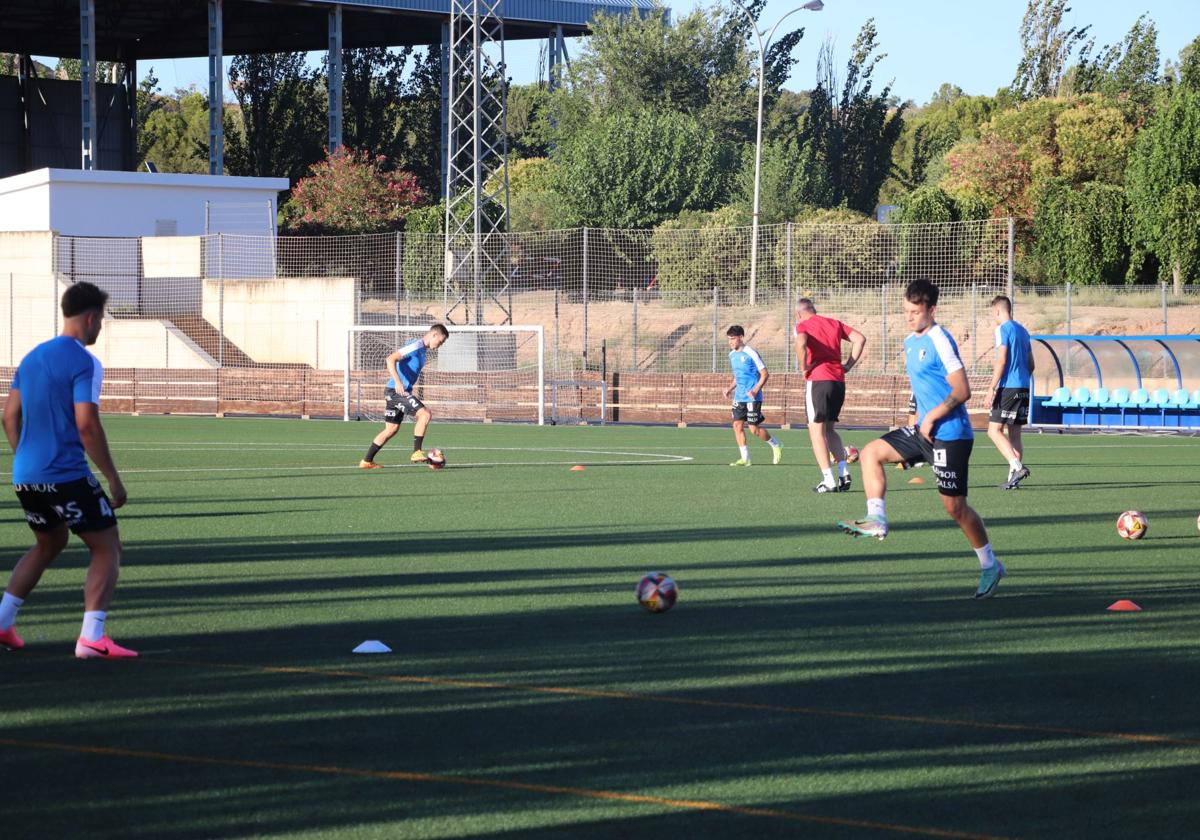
[221,302]
[585,298]
[12,347]
[397,271]
[1012,254]
[556,330]
[715,328]
[883,319]
[974,346]
[787,291]
[1067,351]
[1163,285]
[635,331]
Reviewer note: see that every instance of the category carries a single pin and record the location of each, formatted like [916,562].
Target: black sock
[372,451]
[417,441]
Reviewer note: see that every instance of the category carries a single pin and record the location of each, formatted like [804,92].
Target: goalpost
[482,373]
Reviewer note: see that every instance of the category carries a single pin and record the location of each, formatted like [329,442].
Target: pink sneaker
[105,648]
[10,639]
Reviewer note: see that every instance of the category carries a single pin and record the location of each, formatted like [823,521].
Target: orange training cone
[1124,606]
[578,468]
[916,479]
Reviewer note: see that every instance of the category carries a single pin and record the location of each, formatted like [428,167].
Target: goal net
[481,373]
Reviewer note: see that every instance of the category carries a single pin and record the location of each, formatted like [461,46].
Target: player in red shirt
[819,347]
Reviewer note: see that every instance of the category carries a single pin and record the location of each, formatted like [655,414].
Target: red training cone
[578,468]
[1124,606]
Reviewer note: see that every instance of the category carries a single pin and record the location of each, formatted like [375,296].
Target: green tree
[283,124]
[372,91]
[637,168]
[1046,48]
[418,122]
[1094,141]
[1126,70]
[174,132]
[1082,234]
[931,131]
[351,192]
[1161,180]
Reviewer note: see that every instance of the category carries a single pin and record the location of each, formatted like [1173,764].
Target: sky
[971,43]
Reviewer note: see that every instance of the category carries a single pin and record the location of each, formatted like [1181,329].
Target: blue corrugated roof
[572,12]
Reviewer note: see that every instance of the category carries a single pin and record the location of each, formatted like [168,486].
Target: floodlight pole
[812,6]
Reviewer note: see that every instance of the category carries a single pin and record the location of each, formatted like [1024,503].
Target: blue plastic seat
[1060,397]
[1100,398]
[1081,397]
[1180,398]
[1120,396]
[1195,403]
[1139,398]
[1161,398]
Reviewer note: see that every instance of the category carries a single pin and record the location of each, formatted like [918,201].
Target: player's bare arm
[802,352]
[960,393]
[999,366]
[12,419]
[763,376]
[95,444]
[858,343]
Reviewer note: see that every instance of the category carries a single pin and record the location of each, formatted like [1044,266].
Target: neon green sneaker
[776,454]
[872,526]
[740,462]
[989,579]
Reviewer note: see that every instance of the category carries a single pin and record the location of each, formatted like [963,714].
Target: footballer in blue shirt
[51,418]
[941,437]
[750,374]
[1012,375]
[405,366]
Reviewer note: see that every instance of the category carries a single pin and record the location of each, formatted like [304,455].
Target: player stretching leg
[943,437]
[819,349]
[749,376]
[405,366]
[1009,388]
[51,418]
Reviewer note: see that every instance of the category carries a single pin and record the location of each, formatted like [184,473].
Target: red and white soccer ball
[435,458]
[1132,525]
[657,593]
[851,454]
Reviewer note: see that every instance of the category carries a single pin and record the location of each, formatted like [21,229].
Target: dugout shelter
[1116,381]
[51,124]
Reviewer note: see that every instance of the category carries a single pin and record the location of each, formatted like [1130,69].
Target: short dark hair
[736,329]
[1002,300]
[806,304]
[922,291]
[82,297]
[440,328]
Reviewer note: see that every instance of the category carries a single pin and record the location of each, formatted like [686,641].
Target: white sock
[93,625]
[1014,464]
[745,450]
[877,507]
[827,473]
[987,558]
[843,469]
[8,610]
[774,443]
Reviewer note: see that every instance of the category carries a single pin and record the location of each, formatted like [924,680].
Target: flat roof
[154,29]
[40,177]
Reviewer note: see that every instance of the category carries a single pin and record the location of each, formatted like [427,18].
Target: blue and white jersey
[52,378]
[1015,337]
[928,360]
[411,363]
[747,365]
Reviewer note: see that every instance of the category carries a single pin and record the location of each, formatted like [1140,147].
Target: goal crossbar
[414,330]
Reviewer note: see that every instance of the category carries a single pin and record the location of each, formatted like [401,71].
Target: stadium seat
[1180,398]
[1196,398]
[1081,397]
[1100,398]
[1120,396]
[1161,398]
[1139,398]
[1060,398]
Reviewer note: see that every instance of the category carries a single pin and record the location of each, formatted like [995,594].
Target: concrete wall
[288,320]
[105,203]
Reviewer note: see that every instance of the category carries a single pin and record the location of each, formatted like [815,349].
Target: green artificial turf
[811,684]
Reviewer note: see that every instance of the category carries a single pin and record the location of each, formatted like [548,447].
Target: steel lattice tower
[477,163]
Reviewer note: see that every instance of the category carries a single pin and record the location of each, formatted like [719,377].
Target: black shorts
[1010,406]
[80,504]
[400,405]
[824,398]
[750,412]
[950,459]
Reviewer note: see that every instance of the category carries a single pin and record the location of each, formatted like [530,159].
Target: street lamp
[811,6]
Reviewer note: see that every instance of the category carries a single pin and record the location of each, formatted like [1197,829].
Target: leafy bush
[698,251]
[351,192]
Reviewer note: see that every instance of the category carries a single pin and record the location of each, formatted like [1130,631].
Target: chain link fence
[260,314]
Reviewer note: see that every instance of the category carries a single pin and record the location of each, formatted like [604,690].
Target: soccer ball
[1132,525]
[435,458]
[656,592]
